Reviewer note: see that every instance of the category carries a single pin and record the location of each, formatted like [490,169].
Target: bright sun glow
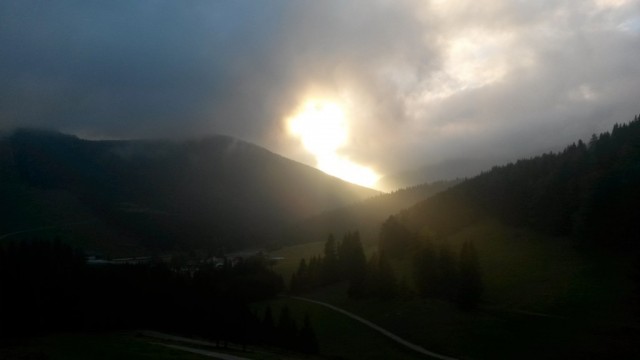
[322,128]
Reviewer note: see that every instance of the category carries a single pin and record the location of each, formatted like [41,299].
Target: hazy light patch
[473,59]
[322,128]
[583,92]
[347,170]
[608,4]
[477,59]
[631,26]
[459,128]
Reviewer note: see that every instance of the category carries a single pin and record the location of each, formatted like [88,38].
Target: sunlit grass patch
[340,336]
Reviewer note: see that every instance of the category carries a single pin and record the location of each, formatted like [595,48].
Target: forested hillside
[366,216]
[139,196]
[541,251]
[588,192]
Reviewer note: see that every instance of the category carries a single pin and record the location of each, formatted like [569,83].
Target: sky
[404,83]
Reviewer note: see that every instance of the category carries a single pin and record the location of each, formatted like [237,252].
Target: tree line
[437,271]
[285,333]
[587,192]
[47,286]
[439,274]
[346,261]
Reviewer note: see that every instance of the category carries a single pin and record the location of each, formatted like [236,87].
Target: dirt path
[184,340]
[384,332]
[208,353]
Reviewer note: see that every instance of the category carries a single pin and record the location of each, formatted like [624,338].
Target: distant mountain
[589,192]
[445,170]
[365,216]
[139,196]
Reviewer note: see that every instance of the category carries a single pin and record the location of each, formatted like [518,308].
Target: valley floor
[543,299]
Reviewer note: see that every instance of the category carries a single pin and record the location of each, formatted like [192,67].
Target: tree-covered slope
[365,216]
[588,191]
[213,192]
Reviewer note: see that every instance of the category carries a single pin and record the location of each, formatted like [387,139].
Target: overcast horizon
[408,83]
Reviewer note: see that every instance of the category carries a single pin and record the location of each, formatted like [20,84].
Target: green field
[529,272]
[488,334]
[340,337]
[291,256]
[543,299]
[94,347]
[126,346]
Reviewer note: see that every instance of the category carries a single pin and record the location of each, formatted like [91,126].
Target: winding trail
[185,341]
[208,353]
[384,332]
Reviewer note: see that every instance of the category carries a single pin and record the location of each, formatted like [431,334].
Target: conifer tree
[330,266]
[268,327]
[425,270]
[470,286]
[307,339]
[286,329]
[386,282]
[395,240]
[302,267]
[300,279]
[356,266]
[447,283]
[313,273]
[294,284]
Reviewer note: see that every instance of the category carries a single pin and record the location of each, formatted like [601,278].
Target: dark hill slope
[213,192]
[588,192]
[365,216]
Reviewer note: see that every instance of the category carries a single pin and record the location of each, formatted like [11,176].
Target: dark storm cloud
[426,81]
[124,68]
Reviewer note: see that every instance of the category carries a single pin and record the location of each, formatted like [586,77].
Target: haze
[419,82]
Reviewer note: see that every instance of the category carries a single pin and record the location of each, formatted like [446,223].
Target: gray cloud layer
[425,81]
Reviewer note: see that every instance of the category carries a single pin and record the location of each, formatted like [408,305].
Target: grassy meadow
[340,337]
[124,346]
[538,290]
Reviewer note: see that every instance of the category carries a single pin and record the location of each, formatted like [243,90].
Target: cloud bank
[422,81]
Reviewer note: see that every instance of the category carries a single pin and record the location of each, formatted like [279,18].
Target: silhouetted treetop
[588,192]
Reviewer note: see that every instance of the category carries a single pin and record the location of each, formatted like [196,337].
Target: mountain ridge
[214,190]
[586,192]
